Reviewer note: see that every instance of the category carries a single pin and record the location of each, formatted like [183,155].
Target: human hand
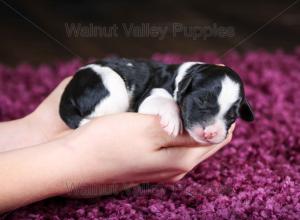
[129,149]
[45,119]
[42,125]
[97,156]
[126,149]
[130,131]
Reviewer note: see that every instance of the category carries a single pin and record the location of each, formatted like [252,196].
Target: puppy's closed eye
[232,112]
[201,103]
[207,101]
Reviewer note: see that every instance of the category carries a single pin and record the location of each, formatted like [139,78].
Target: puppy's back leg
[93,91]
[118,99]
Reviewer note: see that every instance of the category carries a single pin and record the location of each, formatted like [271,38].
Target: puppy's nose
[209,134]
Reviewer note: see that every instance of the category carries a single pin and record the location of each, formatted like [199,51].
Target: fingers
[181,140]
[61,86]
[202,153]
[175,178]
[65,81]
[231,129]
[51,102]
[217,147]
[184,158]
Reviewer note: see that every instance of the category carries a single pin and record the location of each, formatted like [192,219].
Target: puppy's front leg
[161,103]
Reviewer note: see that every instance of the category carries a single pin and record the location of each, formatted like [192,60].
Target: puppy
[204,99]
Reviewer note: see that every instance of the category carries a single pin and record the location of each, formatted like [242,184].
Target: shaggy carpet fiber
[257,176]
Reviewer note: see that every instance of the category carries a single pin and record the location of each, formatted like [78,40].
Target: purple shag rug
[257,176]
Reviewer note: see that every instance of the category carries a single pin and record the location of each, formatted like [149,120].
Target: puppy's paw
[168,111]
[171,122]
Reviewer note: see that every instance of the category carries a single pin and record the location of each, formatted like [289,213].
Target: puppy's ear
[245,112]
[183,87]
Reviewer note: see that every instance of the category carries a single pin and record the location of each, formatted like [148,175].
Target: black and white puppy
[204,99]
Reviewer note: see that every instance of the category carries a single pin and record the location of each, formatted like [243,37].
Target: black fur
[80,97]
[144,75]
[197,95]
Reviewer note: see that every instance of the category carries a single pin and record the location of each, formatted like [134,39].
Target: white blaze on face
[229,94]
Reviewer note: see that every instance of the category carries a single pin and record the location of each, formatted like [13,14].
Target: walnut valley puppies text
[147,30]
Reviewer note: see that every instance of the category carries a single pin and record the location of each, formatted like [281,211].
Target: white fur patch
[228,95]
[160,92]
[182,71]
[129,64]
[118,99]
[161,103]
[83,121]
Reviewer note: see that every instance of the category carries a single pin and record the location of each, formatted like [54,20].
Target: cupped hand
[129,149]
[45,119]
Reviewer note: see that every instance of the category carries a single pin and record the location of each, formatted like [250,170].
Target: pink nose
[209,135]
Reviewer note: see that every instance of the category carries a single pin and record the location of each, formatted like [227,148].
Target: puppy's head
[211,98]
